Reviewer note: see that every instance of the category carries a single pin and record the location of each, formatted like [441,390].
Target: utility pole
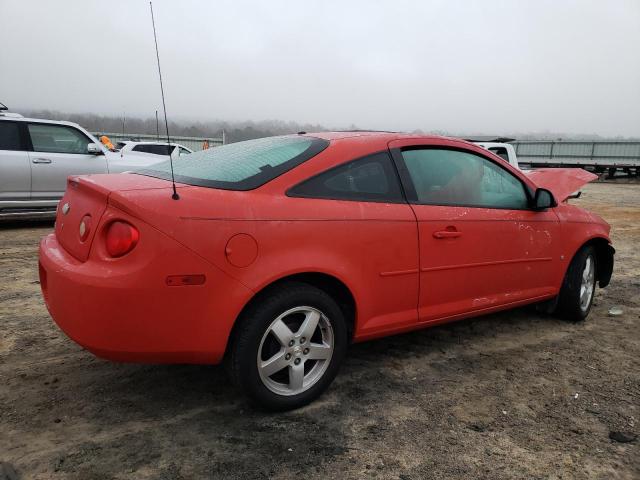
[157,128]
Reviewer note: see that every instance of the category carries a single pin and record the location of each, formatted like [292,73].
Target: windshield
[242,165]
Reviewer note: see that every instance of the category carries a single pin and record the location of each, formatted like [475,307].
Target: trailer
[597,156]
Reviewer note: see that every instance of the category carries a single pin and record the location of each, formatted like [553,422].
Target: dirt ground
[510,395]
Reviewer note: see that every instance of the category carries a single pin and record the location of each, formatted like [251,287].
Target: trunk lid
[194,219]
[85,200]
[562,182]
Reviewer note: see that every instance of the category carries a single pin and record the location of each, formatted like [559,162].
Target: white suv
[37,156]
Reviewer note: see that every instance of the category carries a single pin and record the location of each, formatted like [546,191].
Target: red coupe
[281,251]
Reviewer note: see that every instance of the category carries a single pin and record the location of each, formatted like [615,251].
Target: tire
[578,287]
[278,357]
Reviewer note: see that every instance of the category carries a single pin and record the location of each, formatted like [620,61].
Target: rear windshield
[242,165]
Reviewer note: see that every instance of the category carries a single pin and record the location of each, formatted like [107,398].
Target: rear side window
[242,165]
[10,136]
[57,139]
[155,149]
[140,148]
[371,178]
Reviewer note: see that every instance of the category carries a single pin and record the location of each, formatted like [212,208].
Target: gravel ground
[509,395]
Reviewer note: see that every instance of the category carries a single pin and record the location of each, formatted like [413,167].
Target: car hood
[562,182]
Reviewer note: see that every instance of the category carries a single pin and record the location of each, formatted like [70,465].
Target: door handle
[41,160]
[448,233]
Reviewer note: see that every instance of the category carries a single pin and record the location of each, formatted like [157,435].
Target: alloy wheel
[295,350]
[587,284]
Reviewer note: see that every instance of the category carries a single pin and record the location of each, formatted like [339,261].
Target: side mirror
[543,199]
[94,149]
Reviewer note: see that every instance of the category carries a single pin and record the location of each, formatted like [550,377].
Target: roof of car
[38,120]
[489,139]
[338,135]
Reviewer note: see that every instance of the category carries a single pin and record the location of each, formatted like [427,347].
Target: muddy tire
[288,346]
[578,288]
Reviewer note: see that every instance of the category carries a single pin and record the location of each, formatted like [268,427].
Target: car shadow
[11,224]
[129,413]
[138,390]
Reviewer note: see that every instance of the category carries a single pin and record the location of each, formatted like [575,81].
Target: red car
[281,251]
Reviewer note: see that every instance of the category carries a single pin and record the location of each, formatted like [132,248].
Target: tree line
[236,131]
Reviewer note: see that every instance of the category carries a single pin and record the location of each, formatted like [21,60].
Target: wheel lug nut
[305,351]
[287,356]
[302,340]
[291,343]
[297,361]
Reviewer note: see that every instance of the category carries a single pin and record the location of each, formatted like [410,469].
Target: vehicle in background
[155,148]
[37,156]
[499,146]
[503,150]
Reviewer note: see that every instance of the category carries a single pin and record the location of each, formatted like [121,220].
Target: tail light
[121,238]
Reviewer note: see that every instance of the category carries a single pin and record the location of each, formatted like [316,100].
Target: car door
[58,151]
[481,246]
[15,173]
[358,209]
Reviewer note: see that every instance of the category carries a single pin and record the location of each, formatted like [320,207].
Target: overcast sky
[458,66]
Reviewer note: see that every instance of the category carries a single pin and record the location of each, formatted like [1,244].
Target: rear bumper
[123,310]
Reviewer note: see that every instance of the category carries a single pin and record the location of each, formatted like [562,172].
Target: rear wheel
[288,346]
[578,288]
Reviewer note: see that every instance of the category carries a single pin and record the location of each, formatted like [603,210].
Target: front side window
[10,136]
[453,177]
[57,139]
[371,178]
[242,165]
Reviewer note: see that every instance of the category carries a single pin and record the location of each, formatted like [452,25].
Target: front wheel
[288,346]
[578,288]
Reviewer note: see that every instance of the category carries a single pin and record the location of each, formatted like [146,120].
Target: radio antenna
[175,195]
